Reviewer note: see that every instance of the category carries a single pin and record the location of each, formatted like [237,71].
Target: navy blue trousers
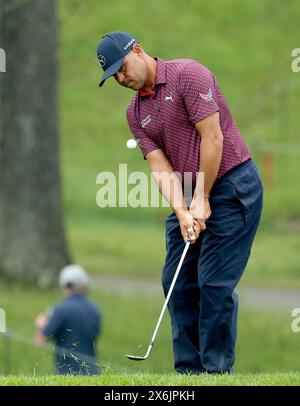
[203,306]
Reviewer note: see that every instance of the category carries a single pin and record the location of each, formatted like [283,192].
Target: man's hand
[189,228]
[41,321]
[200,214]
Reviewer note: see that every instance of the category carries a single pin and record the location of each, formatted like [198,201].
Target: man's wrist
[199,200]
[180,211]
[203,196]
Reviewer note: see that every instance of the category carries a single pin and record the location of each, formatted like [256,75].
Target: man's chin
[135,86]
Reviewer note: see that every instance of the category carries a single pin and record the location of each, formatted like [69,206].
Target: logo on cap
[102,60]
[129,43]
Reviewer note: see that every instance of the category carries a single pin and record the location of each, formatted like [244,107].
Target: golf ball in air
[131,144]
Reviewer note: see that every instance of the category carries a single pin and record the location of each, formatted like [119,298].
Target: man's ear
[137,48]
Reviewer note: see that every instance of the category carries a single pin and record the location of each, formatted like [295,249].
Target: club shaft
[168,296]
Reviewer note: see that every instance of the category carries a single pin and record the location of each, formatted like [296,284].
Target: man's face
[133,72]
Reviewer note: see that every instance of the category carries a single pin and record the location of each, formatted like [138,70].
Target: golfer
[182,124]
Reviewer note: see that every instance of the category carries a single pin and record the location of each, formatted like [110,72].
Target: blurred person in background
[74,325]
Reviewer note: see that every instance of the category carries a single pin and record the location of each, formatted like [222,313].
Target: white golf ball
[131,144]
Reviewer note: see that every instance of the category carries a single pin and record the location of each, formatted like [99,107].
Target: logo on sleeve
[146,121]
[207,97]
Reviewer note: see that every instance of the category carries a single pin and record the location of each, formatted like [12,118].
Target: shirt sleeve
[145,143]
[54,325]
[198,89]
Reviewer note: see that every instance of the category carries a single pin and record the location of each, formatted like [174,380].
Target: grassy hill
[248,47]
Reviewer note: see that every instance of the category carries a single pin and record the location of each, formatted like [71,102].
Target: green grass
[265,340]
[249,49]
[276,379]
[138,250]
[247,46]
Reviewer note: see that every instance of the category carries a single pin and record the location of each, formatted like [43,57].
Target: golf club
[137,358]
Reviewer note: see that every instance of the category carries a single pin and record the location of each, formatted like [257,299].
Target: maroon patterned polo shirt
[185,93]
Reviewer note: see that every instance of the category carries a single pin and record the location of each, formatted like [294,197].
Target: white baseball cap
[73,275]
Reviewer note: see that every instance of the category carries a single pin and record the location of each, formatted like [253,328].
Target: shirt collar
[161,72]
[160,77]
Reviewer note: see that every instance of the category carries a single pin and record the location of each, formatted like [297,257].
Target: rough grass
[267,379]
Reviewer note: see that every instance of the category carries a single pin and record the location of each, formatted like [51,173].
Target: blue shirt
[75,325]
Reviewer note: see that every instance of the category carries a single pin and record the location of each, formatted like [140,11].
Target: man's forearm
[210,159]
[171,189]
[168,183]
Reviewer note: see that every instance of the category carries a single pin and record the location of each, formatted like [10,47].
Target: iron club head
[136,358]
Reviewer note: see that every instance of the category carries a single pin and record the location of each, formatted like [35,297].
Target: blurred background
[58,130]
